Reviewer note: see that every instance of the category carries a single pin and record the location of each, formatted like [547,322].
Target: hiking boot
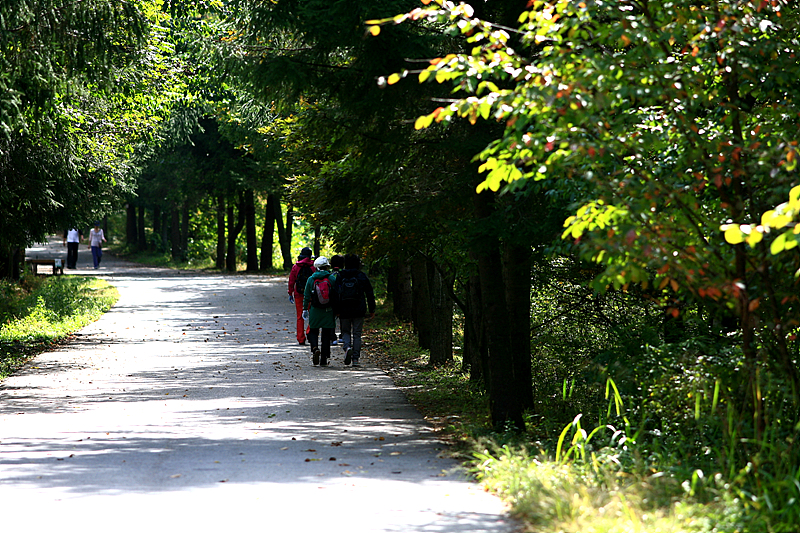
[348,357]
[315,356]
[355,362]
[323,361]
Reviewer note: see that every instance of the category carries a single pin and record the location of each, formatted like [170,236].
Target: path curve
[190,404]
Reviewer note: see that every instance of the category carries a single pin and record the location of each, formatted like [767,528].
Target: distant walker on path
[96,240]
[72,239]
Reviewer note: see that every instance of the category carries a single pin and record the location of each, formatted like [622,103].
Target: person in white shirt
[96,240]
[72,239]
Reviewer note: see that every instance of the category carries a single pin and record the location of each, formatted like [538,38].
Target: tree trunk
[230,256]
[476,355]
[157,225]
[185,231]
[441,318]
[175,233]
[285,233]
[402,299]
[11,261]
[268,237]
[142,235]
[131,235]
[422,302]
[250,230]
[166,227]
[220,261]
[506,410]
[517,272]
[234,228]
[6,262]
[317,235]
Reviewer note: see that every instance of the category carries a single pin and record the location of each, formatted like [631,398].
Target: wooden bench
[56,265]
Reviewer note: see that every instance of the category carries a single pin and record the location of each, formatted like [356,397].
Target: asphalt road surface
[190,405]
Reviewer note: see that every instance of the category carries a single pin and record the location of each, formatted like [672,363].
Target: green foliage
[82,83]
[665,122]
[52,309]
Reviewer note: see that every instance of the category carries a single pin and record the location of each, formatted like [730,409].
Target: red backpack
[322,292]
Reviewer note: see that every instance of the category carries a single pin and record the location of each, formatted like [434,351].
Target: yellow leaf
[755,237]
[794,198]
[733,234]
[393,78]
[374,30]
[423,122]
[778,245]
[774,218]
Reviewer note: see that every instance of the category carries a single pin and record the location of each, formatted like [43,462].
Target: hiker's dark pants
[328,334]
[351,334]
[72,254]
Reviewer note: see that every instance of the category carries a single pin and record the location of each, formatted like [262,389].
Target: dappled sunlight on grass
[55,308]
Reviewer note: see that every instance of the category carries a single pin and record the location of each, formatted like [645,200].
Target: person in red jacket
[300,273]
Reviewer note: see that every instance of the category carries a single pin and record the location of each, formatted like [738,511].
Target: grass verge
[41,312]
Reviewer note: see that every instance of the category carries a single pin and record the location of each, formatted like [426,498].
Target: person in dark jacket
[355,299]
[303,266]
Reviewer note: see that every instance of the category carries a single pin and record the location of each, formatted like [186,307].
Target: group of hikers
[326,291]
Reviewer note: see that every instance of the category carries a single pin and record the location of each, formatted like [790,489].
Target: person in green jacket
[320,313]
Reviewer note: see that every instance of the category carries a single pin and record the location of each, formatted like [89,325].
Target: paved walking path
[190,405]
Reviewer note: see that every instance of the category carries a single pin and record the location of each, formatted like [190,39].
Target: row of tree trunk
[232,216]
[496,308]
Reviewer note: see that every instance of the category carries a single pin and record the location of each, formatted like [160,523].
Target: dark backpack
[322,292]
[350,290]
[302,278]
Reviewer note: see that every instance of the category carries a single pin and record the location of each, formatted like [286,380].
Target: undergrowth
[618,472]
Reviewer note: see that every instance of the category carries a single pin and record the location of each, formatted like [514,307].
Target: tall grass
[614,479]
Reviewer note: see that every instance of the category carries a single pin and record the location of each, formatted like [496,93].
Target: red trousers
[302,330]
